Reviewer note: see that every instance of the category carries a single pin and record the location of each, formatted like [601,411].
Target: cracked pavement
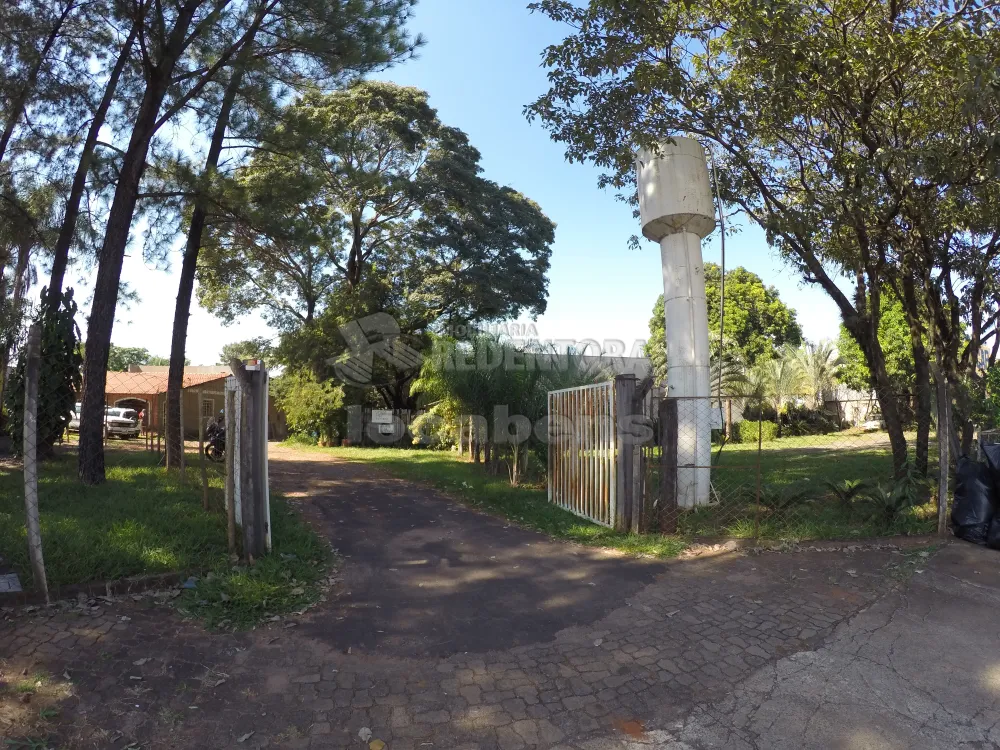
[453,629]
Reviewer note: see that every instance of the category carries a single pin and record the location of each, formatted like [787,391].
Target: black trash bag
[992,453]
[993,536]
[974,502]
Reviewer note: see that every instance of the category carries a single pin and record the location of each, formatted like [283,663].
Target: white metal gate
[582,446]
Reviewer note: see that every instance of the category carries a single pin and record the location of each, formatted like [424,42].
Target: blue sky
[481,66]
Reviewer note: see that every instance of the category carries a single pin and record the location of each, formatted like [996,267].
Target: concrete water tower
[676,209]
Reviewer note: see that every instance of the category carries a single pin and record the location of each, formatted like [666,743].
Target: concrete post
[675,206]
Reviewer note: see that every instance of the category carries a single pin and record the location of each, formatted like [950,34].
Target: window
[208,407]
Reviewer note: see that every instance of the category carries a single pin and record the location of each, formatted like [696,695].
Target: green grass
[790,466]
[804,467]
[526,505]
[144,521]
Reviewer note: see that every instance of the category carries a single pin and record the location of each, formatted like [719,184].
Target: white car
[118,422]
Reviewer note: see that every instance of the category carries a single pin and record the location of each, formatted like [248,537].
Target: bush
[748,432]
[59,378]
[433,431]
[805,421]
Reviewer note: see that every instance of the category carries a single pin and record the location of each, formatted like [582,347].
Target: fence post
[230,464]
[944,444]
[668,465]
[760,447]
[243,462]
[201,453]
[625,507]
[30,448]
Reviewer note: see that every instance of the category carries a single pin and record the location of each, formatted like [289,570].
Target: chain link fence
[838,469]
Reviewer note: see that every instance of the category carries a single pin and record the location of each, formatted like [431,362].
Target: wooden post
[623,449]
[243,461]
[944,445]
[258,434]
[201,454]
[668,465]
[30,448]
[230,468]
[760,446]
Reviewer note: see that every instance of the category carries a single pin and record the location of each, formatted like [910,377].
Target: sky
[481,66]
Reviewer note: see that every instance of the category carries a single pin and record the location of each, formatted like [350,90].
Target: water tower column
[675,206]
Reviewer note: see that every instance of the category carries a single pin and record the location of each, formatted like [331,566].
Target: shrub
[804,421]
[59,378]
[432,430]
[748,432]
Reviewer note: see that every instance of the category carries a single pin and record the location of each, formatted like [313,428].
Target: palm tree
[775,381]
[819,364]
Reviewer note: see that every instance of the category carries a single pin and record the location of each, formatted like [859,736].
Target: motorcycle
[215,447]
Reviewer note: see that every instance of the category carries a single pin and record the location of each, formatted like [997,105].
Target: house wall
[195,409]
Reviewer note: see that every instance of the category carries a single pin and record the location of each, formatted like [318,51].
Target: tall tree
[324,45]
[825,119]
[365,202]
[820,365]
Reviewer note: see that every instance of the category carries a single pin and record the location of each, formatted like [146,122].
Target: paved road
[454,630]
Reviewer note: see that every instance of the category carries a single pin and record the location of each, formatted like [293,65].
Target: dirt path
[451,629]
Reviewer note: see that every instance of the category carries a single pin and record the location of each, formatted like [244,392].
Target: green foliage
[820,368]
[478,376]
[802,420]
[287,580]
[888,503]
[144,521]
[991,403]
[368,183]
[781,498]
[255,348]
[846,491]
[311,406]
[432,430]
[893,336]
[747,431]
[758,323]
[856,135]
[120,358]
[59,378]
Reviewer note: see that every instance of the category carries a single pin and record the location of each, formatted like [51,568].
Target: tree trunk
[860,327]
[20,104]
[922,372]
[67,231]
[102,311]
[189,267]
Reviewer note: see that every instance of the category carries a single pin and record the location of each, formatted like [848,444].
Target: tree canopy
[860,136]
[368,184]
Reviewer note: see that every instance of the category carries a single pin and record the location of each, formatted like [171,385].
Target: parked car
[123,423]
[118,422]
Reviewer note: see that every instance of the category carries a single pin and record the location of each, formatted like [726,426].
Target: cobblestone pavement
[515,652]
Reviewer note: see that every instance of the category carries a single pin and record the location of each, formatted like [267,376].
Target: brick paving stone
[652,665]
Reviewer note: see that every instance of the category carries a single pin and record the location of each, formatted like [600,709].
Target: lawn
[145,521]
[527,505]
[796,499]
[795,484]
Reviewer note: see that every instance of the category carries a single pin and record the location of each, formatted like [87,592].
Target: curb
[118,587]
